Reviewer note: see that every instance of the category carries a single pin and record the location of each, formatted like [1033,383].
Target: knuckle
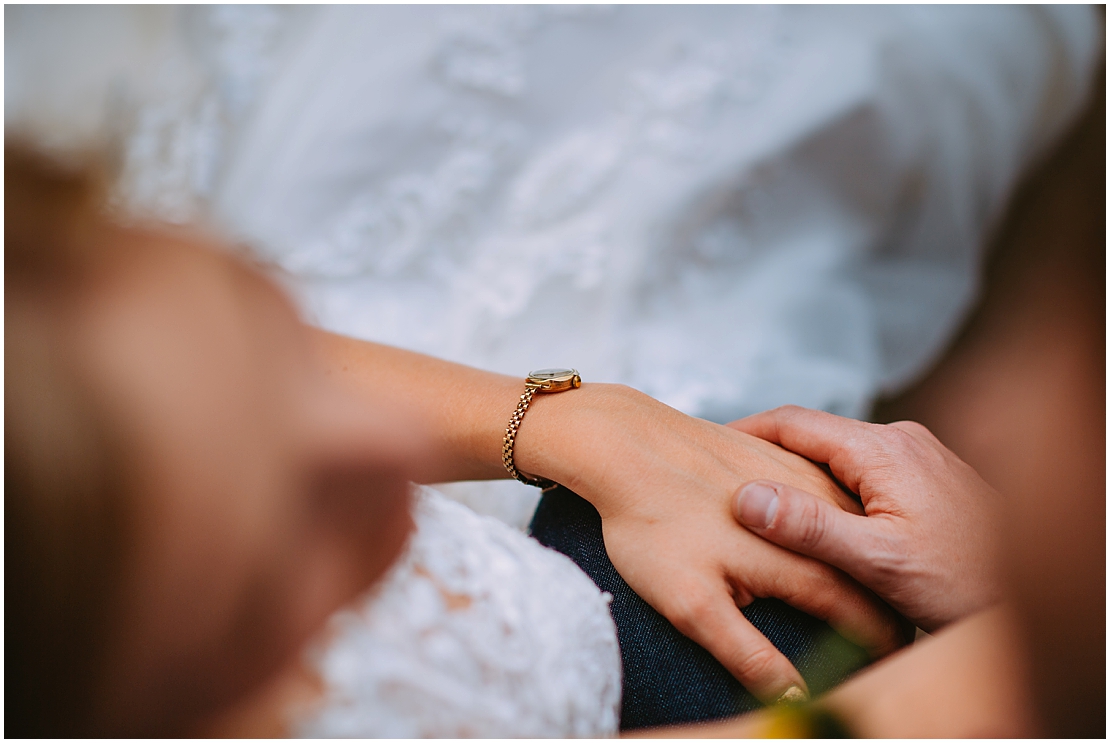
[818,586]
[788,411]
[691,611]
[910,450]
[757,664]
[898,439]
[812,525]
[891,447]
[889,559]
[912,427]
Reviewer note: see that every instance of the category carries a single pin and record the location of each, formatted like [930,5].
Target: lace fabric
[729,208]
[478,631]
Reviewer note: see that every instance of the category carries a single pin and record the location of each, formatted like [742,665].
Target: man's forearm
[968,681]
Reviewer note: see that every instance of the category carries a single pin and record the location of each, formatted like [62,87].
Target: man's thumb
[803,523]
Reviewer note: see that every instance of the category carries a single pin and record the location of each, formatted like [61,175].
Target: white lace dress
[728,207]
[476,631]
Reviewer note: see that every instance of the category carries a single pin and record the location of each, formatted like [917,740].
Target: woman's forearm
[463,410]
[576,437]
[594,440]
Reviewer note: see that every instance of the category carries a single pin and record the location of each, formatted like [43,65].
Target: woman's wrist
[576,437]
[603,439]
[541,445]
[580,438]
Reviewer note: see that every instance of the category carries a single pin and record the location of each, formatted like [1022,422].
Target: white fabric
[476,632]
[729,208]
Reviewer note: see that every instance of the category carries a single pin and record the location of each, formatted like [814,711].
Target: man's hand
[928,542]
[663,483]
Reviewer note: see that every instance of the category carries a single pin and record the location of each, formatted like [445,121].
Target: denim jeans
[668,678]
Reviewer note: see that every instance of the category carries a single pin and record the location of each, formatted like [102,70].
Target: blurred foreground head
[188,497]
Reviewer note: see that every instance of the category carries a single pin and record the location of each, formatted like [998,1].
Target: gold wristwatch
[544,380]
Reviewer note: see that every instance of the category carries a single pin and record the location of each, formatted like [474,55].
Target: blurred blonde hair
[66,492]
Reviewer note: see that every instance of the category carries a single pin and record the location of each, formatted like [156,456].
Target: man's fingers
[918,431]
[816,432]
[846,445]
[711,619]
[804,523]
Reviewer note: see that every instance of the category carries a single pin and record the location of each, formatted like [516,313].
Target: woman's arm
[663,483]
[462,409]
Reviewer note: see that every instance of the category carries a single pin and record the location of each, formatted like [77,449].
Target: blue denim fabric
[669,678]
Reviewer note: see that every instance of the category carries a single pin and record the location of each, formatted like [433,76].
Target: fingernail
[758,504]
[793,695]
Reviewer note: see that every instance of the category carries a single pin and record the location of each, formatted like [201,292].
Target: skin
[670,486]
[967,682]
[928,544]
[929,541]
[274,462]
[657,477]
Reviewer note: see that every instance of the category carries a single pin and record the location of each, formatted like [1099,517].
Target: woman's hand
[928,542]
[663,483]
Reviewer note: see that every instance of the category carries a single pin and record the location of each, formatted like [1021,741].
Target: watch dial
[552,374]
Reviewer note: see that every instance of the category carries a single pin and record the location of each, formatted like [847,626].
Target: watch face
[554,380]
[553,375]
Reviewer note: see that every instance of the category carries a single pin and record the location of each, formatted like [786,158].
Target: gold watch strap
[532,385]
[510,441]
